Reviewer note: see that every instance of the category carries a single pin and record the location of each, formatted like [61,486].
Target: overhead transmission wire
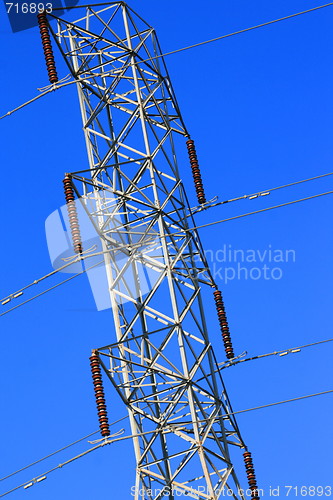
[49,289]
[257,194]
[107,441]
[43,476]
[49,455]
[239,32]
[19,292]
[299,398]
[282,352]
[252,213]
[283,402]
[60,449]
[42,94]
[228,35]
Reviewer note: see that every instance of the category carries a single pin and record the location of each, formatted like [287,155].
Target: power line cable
[283,352]
[253,213]
[282,402]
[239,32]
[257,194]
[49,455]
[268,405]
[19,292]
[42,94]
[61,449]
[41,477]
[49,289]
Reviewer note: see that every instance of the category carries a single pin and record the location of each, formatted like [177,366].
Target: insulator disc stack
[99,395]
[48,51]
[223,324]
[72,214]
[251,477]
[196,171]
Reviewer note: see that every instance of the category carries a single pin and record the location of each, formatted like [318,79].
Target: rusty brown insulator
[251,475]
[223,325]
[48,52]
[196,171]
[72,214]
[99,395]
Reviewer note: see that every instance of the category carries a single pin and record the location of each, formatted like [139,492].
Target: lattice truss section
[161,362]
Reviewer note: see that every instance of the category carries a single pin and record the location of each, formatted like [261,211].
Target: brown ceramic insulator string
[251,477]
[99,394]
[72,214]
[196,171]
[223,324]
[47,47]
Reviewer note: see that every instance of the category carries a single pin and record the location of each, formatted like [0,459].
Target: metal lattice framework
[160,359]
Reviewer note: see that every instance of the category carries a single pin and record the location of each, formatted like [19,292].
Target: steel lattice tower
[160,359]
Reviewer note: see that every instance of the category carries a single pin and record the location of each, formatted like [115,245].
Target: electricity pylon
[160,359]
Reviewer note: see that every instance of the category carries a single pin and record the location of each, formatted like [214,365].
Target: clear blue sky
[259,106]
